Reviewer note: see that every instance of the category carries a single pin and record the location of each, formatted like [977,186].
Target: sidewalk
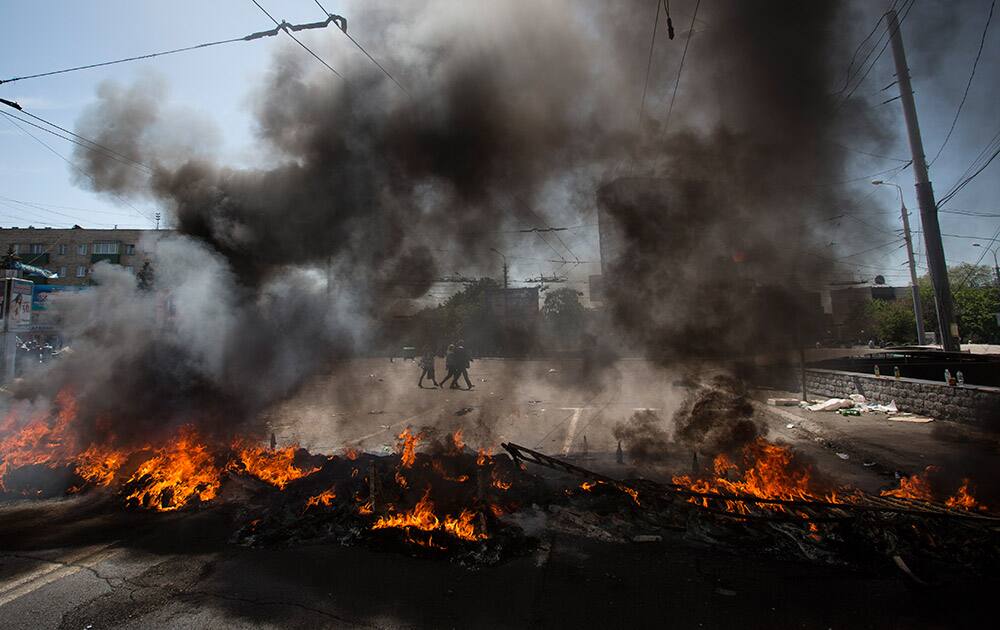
[876,447]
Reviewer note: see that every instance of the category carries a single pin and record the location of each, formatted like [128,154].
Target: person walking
[426,367]
[449,364]
[463,360]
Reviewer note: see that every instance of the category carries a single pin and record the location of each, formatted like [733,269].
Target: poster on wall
[17,304]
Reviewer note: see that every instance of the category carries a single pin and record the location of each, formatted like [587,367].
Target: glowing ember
[324,498]
[589,485]
[400,480]
[500,483]
[407,447]
[177,474]
[422,517]
[439,469]
[457,444]
[350,453]
[484,456]
[275,467]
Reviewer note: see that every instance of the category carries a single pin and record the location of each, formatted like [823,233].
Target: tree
[564,313]
[461,316]
[976,299]
[892,320]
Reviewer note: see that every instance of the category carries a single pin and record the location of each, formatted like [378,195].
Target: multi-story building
[72,253]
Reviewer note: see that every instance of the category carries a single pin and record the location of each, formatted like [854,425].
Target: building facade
[72,253]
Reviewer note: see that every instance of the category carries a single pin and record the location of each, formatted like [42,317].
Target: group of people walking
[457,361]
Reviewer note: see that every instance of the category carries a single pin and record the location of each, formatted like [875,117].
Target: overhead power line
[343,29]
[288,28]
[680,69]
[73,166]
[80,141]
[284,26]
[972,74]
[649,65]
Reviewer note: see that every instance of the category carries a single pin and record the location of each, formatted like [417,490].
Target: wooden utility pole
[947,328]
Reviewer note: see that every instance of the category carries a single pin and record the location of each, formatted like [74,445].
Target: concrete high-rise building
[72,253]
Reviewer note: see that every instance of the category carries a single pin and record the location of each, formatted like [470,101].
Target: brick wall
[968,404]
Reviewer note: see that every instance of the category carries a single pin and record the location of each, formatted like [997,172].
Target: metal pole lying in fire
[947,328]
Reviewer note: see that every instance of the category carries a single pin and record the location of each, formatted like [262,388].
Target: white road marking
[571,431]
[53,570]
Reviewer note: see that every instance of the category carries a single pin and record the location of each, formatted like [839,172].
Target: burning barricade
[442,498]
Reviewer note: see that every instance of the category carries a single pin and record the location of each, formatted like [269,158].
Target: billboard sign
[17,305]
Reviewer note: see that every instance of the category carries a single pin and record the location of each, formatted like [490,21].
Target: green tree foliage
[892,320]
[459,317]
[564,313]
[976,298]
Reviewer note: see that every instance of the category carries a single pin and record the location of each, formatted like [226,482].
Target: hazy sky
[215,84]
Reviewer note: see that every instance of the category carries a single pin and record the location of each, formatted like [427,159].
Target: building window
[81,249]
[36,248]
[62,272]
[81,271]
[130,250]
[106,247]
[62,249]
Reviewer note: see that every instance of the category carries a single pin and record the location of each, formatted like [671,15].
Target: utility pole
[918,311]
[936,264]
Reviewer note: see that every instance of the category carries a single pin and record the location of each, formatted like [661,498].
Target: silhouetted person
[426,367]
[450,365]
[462,362]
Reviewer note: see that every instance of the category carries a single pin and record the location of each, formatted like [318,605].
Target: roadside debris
[783,402]
[464,410]
[909,417]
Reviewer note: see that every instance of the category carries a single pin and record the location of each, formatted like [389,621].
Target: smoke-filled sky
[218,92]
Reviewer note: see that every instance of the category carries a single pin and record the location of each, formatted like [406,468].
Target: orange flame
[407,447]
[99,465]
[770,471]
[439,469]
[457,443]
[484,456]
[274,467]
[40,441]
[963,499]
[422,517]
[177,474]
[350,453]
[913,487]
[324,498]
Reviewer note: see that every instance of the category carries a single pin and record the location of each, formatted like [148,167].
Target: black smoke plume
[364,193]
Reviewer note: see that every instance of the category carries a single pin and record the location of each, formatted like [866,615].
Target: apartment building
[72,253]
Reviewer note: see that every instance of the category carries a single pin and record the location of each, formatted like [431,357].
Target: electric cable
[680,69]
[975,64]
[362,49]
[282,26]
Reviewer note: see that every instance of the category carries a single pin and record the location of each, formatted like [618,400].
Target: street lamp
[917,310]
[996,267]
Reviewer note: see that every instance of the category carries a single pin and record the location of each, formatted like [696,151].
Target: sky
[215,83]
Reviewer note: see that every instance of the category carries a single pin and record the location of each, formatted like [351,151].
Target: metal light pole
[996,267]
[918,313]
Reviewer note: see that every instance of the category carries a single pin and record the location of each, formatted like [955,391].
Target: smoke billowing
[364,193]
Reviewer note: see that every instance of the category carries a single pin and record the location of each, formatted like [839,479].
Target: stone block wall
[974,405]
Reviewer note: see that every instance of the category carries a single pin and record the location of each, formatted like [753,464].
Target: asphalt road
[84,563]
